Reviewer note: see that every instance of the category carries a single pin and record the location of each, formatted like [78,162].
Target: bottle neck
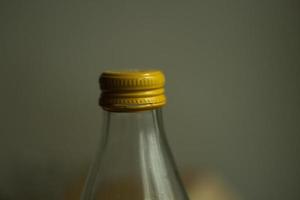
[134,160]
[135,138]
[136,143]
[129,125]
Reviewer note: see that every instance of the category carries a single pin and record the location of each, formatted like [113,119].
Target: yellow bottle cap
[130,91]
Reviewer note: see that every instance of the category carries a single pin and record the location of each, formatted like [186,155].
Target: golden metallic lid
[130,91]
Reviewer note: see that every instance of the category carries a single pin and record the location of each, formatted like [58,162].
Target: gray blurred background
[233,88]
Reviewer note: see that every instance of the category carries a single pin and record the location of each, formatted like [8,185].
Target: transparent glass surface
[134,161]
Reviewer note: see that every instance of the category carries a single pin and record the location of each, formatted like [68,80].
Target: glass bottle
[134,161]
